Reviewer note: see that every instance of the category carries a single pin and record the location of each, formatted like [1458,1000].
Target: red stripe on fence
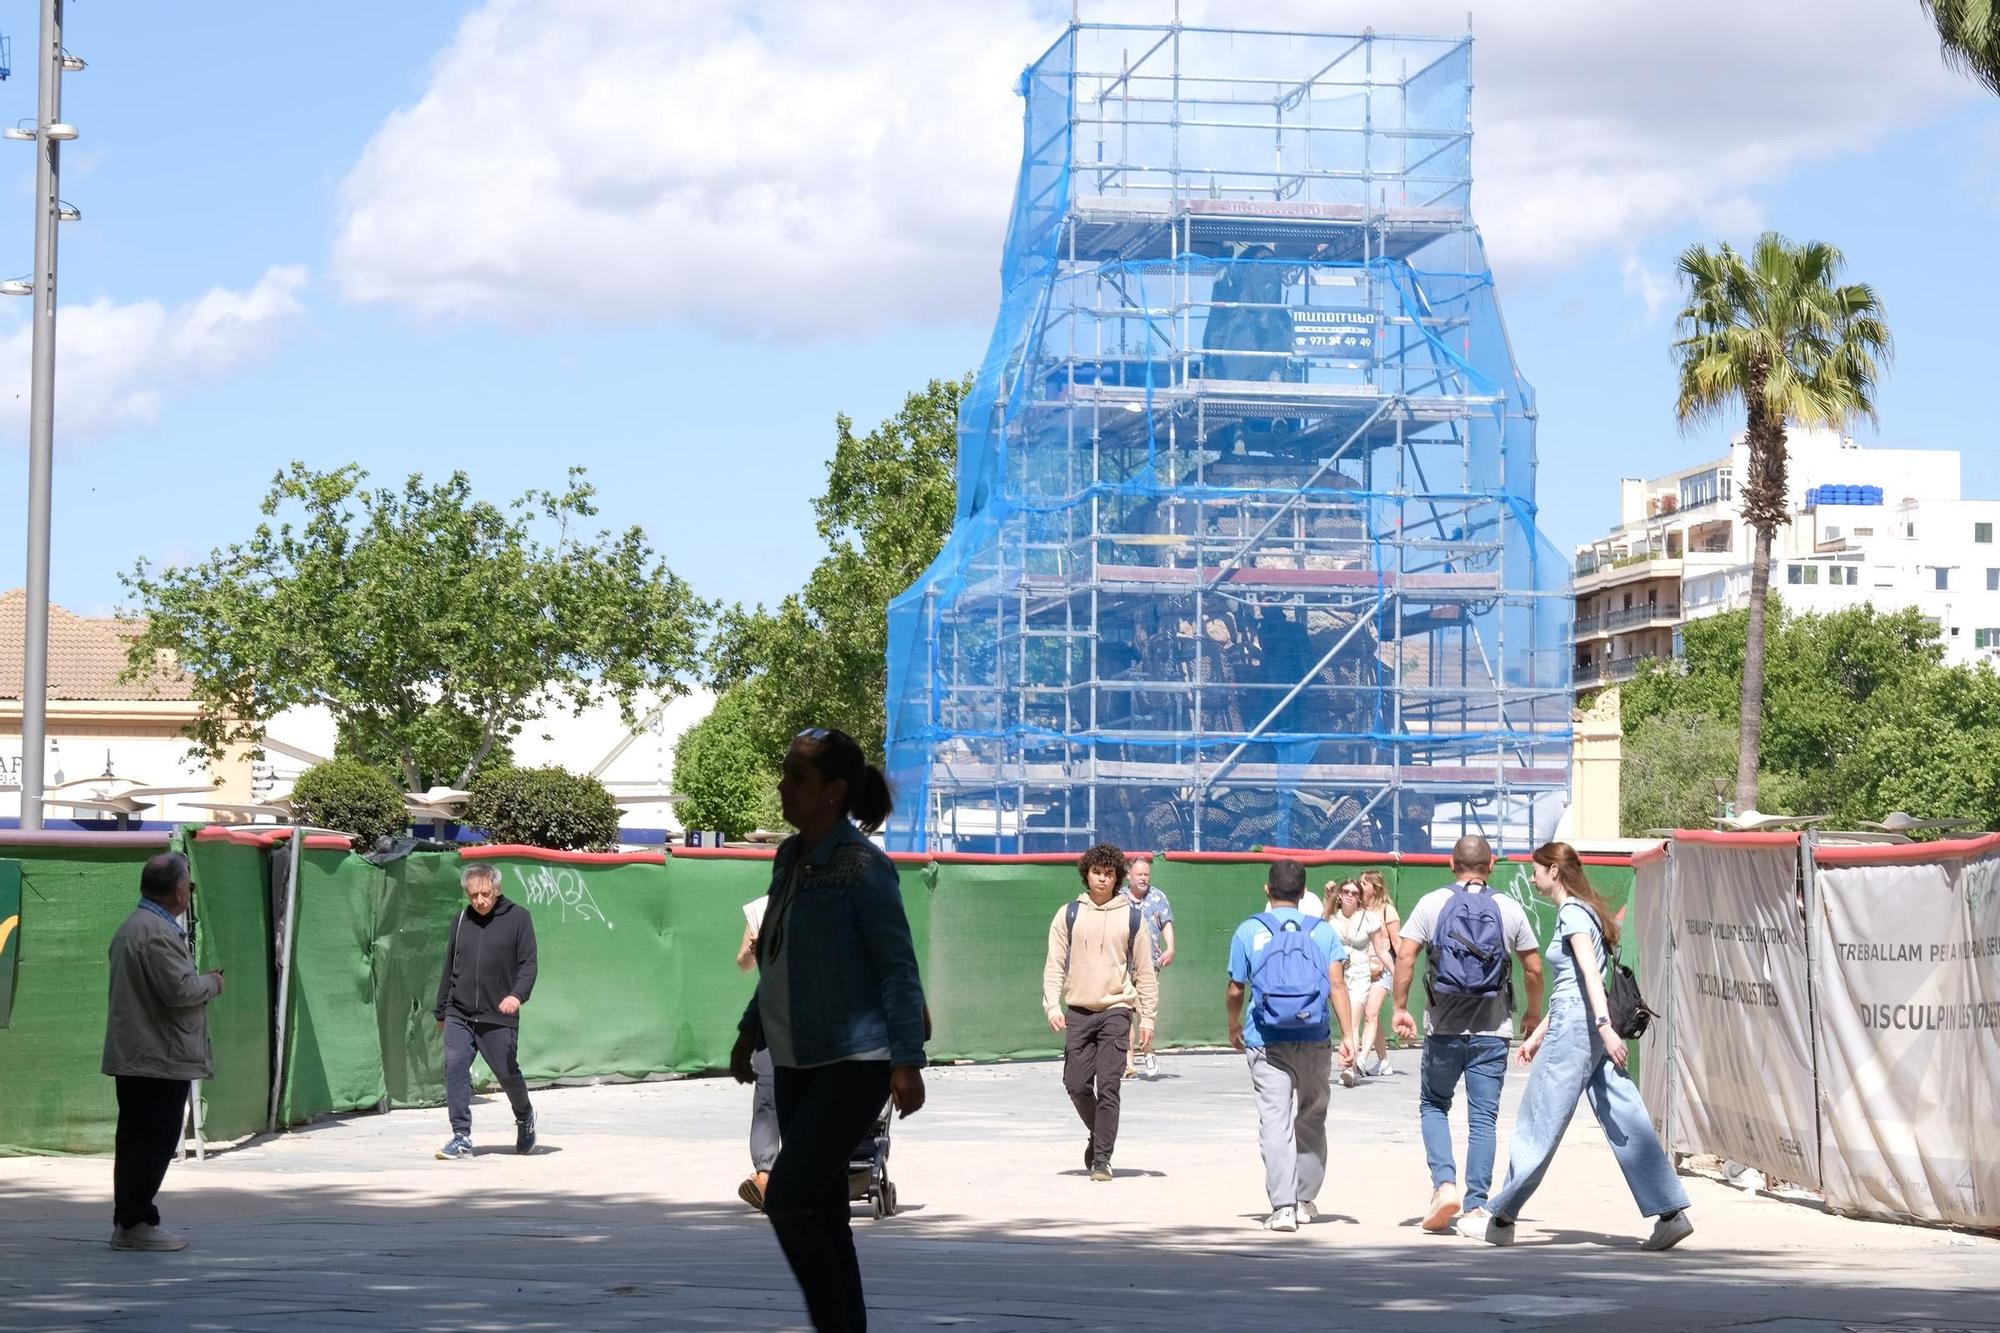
[521,852]
[1906,853]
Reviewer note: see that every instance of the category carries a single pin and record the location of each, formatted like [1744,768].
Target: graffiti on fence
[543,885]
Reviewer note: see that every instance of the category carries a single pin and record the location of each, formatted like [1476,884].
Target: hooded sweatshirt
[489,958]
[1108,968]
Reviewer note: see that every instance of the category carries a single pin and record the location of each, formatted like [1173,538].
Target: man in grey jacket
[155,1043]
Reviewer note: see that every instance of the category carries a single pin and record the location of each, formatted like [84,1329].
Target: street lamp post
[50,133]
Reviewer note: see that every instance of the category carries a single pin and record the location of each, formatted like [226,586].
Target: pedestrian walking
[155,1045]
[1468,932]
[764,1102]
[1157,915]
[1286,982]
[1375,897]
[1367,946]
[489,973]
[1095,978]
[838,1005]
[1576,1052]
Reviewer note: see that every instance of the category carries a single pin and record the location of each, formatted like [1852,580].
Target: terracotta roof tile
[86,655]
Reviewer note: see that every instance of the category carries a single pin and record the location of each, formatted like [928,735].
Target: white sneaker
[1350,1077]
[1283,1219]
[1669,1232]
[1471,1224]
[1381,1069]
[1152,1065]
[1307,1211]
[145,1237]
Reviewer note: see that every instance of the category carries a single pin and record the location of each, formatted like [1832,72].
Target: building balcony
[1627,618]
[1607,673]
[1593,575]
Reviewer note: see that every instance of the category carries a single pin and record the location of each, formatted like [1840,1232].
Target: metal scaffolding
[1245,550]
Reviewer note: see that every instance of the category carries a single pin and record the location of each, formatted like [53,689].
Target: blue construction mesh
[1245,551]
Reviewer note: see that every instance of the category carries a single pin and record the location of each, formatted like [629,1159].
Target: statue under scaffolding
[1245,551]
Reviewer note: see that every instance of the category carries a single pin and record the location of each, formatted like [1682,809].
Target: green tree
[352,797]
[1776,334]
[820,657]
[440,739]
[543,807]
[722,769]
[1667,777]
[1862,717]
[1970,31]
[406,613]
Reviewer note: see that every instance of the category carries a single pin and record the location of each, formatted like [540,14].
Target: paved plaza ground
[626,1218]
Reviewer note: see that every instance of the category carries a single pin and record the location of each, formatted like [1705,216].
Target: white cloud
[1655,290]
[801,169]
[115,364]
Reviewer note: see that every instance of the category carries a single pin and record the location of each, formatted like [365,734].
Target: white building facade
[1886,527]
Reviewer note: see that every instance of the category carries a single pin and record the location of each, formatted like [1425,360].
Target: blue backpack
[1288,984]
[1468,950]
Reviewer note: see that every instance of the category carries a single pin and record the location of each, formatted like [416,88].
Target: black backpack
[1630,1016]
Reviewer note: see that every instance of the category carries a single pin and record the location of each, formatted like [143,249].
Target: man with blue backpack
[1470,933]
[1290,967]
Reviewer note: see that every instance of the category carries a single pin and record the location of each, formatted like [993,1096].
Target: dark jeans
[1481,1063]
[823,1113]
[150,1114]
[1094,1050]
[500,1045]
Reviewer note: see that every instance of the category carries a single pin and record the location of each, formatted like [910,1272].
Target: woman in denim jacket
[838,1006]
[1576,1053]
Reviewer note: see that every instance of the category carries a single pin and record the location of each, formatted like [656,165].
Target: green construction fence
[637,964]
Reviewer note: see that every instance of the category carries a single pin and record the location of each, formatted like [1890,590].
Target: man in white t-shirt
[1468,1018]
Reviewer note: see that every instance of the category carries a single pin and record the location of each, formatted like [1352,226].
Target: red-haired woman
[1575,1053]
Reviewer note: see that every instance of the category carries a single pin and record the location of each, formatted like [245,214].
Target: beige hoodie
[1108,967]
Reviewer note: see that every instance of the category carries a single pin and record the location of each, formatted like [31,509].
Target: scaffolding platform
[1245,550]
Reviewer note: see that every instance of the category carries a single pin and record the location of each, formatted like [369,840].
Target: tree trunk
[1750,721]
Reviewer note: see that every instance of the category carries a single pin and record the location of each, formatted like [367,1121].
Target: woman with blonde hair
[1575,1052]
[1362,935]
[1376,898]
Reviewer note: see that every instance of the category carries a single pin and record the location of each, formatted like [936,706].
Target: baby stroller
[868,1167]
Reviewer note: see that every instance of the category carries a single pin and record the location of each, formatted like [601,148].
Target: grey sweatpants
[1293,1081]
[764,1140]
[500,1045]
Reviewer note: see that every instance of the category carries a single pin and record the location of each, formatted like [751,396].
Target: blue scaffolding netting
[1245,551]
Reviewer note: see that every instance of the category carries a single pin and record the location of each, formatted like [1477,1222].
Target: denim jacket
[850,962]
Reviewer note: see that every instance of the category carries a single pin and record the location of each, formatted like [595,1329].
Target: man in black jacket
[489,971]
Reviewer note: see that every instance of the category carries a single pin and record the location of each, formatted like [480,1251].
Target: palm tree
[1775,333]
[1970,31]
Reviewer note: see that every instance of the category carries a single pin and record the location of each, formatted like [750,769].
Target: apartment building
[1881,526]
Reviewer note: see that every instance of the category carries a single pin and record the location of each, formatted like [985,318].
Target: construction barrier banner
[232,913]
[1908,973]
[1742,1052]
[638,970]
[333,1052]
[55,1099]
[1646,948]
[10,929]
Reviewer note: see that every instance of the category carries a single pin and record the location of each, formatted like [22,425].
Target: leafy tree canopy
[1862,717]
[819,657]
[431,624]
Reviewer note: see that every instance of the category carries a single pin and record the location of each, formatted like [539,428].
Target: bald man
[1468,932]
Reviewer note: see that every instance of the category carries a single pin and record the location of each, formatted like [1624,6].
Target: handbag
[1630,1015]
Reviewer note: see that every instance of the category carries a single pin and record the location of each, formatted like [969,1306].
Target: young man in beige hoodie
[1098,973]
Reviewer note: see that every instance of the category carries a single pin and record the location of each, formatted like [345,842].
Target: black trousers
[1094,1051]
[500,1045]
[151,1112]
[823,1114]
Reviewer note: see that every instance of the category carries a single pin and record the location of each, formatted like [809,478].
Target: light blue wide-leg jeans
[1570,1065]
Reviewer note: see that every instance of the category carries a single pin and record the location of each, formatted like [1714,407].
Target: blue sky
[670,244]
